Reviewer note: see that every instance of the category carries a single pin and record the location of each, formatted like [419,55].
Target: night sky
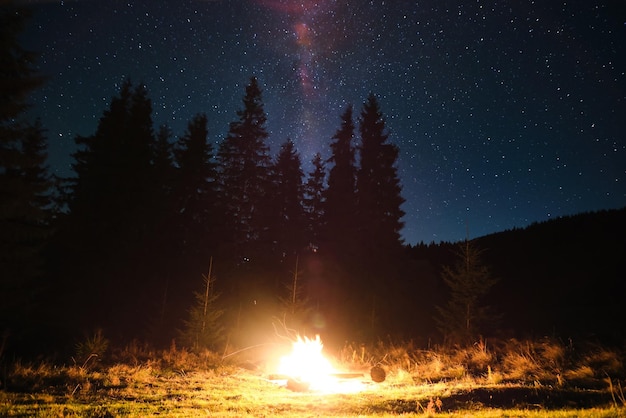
[505,112]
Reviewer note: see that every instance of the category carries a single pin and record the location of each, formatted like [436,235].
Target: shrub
[91,349]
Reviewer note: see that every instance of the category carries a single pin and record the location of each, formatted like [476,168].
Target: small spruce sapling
[203,329]
[465,317]
[295,305]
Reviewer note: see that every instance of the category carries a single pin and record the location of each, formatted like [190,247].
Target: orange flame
[307,364]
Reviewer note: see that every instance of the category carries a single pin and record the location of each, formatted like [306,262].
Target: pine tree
[114,189]
[203,328]
[25,225]
[163,161]
[465,317]
[196,187]
[295,305]
[96,165]
[114,167]
[379,215]
[339,241]
[243,171]
[378,185]
[190,220]
[25,184]
[166,271]
[115,208]
[288,227]
[340,199]
[137,167]
[18,76]
[314,191]
[37,214]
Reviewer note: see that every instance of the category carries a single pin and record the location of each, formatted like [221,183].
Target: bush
[91,349]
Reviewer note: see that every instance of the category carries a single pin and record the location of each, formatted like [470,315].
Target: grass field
[516,379]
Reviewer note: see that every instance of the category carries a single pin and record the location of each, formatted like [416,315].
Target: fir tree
[314,191]
[288,227]
[26,225]
[465,317]
[164,325]
[93,188]
[378,185]
[203,329]
[163,160]
[191,218]
[339,237]
[379,215]
[18,76]
[196,187]
[340,199]
[295,305]
[243,171]
[25,185]
[113,190]
[115,208]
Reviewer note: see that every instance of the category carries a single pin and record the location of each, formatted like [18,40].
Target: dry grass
[533,379]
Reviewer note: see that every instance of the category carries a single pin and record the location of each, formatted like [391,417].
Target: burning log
[346,375]
[298,385]
[335,375]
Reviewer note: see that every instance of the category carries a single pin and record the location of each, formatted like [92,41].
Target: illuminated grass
[177,383]
[233,393]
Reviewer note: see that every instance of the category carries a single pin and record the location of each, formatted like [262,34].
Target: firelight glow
[307,364]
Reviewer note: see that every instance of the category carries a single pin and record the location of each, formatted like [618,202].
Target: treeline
[562,277]
[146,212]
[160,237]
[126,242]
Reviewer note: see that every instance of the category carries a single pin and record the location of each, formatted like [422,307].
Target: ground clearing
[144,390]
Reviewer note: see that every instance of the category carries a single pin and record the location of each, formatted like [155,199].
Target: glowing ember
[307,364]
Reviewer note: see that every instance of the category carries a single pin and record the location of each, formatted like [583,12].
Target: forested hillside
[562,277]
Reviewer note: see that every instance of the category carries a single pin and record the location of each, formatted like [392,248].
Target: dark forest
[162,237]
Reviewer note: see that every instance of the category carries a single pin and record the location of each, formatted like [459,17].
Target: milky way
[505,113]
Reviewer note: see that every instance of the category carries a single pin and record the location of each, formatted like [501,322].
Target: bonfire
[307,369]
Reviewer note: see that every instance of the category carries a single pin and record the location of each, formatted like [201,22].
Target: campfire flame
[306,364]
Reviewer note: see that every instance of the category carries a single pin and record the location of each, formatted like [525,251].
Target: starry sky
[505,112]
